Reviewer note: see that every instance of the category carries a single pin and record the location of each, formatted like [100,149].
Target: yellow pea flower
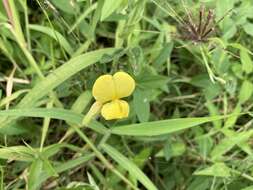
[108,91]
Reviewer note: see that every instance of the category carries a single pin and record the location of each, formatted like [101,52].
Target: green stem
[209,70]
[94,110]
[102,158]
[26,24]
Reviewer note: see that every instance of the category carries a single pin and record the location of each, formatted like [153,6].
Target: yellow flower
[109,89]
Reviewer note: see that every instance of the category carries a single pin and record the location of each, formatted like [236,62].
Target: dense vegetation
[190,121]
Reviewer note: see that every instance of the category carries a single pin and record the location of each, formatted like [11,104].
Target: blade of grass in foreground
[54,113]
[153,128]
[129,166]
[61,74]
[163,126]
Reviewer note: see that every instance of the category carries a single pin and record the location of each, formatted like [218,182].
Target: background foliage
[53,50]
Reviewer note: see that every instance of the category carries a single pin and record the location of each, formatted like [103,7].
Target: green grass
[190,121]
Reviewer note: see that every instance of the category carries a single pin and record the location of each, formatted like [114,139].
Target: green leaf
[213,110]
[216,170]
[147,79]
[128,165]
[92,182]
[248,28]
[67,165]
[228,143]
[109,7]
[173,149]
[141,105]
[81,102]
[65,5]
[248,188]
[12,97]
[53,34]
[246,91]
[34,174]
[247,64]
[230,122]
[82,17]
[164,126]
[20,153]
[54,113]
[61,74]
[163,56]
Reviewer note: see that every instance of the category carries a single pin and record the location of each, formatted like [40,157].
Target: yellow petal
[104,89]
[124,84]
[116,109]
[108,87]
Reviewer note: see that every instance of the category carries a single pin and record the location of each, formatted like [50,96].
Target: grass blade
[164,126]
[129,166]
[53,34]
[61,74]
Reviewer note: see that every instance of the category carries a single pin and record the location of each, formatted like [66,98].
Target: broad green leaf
[246,91]
[247,64]
[216,170]
[141,105]
[53,34]
[109,7]
[128,165]
[163,126]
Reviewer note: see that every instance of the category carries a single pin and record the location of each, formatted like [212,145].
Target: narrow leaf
[129,166]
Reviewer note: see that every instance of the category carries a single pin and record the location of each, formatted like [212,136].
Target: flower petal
[124,84]
[116,109]
[104,89]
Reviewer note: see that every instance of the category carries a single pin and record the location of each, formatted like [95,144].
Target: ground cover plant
[126,94]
